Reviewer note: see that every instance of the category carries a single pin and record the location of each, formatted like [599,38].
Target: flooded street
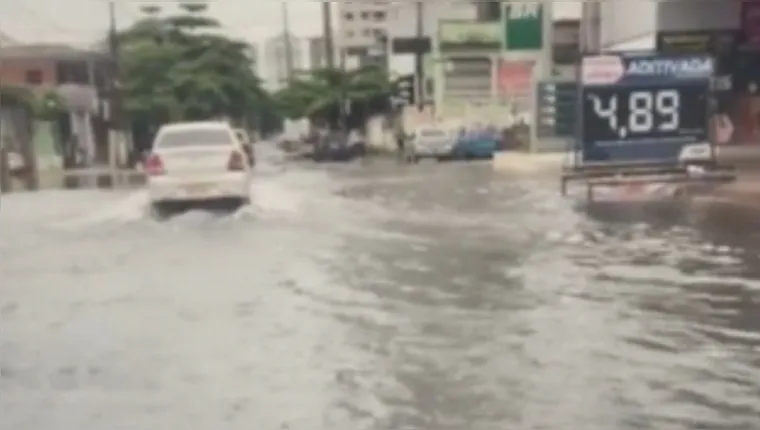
[377,297]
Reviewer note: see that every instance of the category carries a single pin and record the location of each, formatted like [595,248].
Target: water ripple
[376,297]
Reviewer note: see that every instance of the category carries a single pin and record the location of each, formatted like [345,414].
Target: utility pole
[327,34]
[115,112]
[287,41]
[419,70]
[117,137]
[5,174]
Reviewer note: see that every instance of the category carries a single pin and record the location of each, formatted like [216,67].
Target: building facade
[317,52]
[49,66]
[362,24]
[273,61]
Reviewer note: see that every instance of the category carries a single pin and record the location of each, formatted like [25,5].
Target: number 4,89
[642,106]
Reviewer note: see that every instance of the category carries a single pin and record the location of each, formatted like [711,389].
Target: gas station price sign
[644,108]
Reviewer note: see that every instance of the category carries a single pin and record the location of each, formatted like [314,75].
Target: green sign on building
[457,35]
[523,26]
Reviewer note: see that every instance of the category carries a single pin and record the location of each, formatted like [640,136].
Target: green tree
[177,68]
[330,96]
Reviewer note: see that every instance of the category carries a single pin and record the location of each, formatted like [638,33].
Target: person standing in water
[401,144]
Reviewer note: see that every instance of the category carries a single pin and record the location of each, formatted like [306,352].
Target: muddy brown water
[377,297]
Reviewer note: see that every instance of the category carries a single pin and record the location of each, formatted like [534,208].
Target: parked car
[338,146]
[477,144]
[430,142]
[197,162]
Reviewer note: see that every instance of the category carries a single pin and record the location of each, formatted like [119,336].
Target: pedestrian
[401,144]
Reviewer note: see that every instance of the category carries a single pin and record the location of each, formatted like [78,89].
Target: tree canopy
[322,94]
[178,67]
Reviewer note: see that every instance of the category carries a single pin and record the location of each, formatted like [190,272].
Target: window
[367,32]
[365,15]
[72,72]
[349,16]
[379,15]
[34,77]
[193,137]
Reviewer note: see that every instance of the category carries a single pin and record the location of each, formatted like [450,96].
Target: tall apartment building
[273,62]
[363,25]
[402,16]
[317,52]
[367,28]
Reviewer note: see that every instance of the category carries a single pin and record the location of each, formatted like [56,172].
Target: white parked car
[196,162]
[431,142]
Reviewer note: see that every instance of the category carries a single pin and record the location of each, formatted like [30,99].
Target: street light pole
[5,174]
[327,34]
[419,69]
[287,41]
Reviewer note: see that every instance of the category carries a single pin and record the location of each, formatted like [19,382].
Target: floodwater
[377,297]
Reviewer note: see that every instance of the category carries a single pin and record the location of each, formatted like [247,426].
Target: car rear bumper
[432,152]
[222,186]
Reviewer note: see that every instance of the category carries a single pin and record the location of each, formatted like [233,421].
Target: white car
[431,142]
[196,162]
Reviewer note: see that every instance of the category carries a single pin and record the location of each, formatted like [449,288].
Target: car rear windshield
[188,138]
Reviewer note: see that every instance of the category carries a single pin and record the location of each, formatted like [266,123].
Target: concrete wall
[623,21]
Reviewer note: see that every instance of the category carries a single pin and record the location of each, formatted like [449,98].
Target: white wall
[272,66]
[626,20]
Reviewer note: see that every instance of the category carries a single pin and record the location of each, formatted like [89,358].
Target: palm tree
[339,98]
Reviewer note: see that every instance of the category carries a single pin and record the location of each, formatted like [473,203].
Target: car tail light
[154,166]
[237,162]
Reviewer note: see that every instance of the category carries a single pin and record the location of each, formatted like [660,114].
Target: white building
[272,59]
[361,23]
[366,28]
[317,52]
[402,16]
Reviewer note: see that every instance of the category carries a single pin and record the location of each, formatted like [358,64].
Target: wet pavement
[377,296]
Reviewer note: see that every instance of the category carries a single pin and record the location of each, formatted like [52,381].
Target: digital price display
[557,107]
[645,108]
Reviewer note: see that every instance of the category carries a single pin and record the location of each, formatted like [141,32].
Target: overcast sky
[81,22]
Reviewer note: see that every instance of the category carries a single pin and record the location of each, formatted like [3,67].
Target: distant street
[377,297]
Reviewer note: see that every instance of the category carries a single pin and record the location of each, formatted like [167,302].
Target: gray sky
[82,22]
